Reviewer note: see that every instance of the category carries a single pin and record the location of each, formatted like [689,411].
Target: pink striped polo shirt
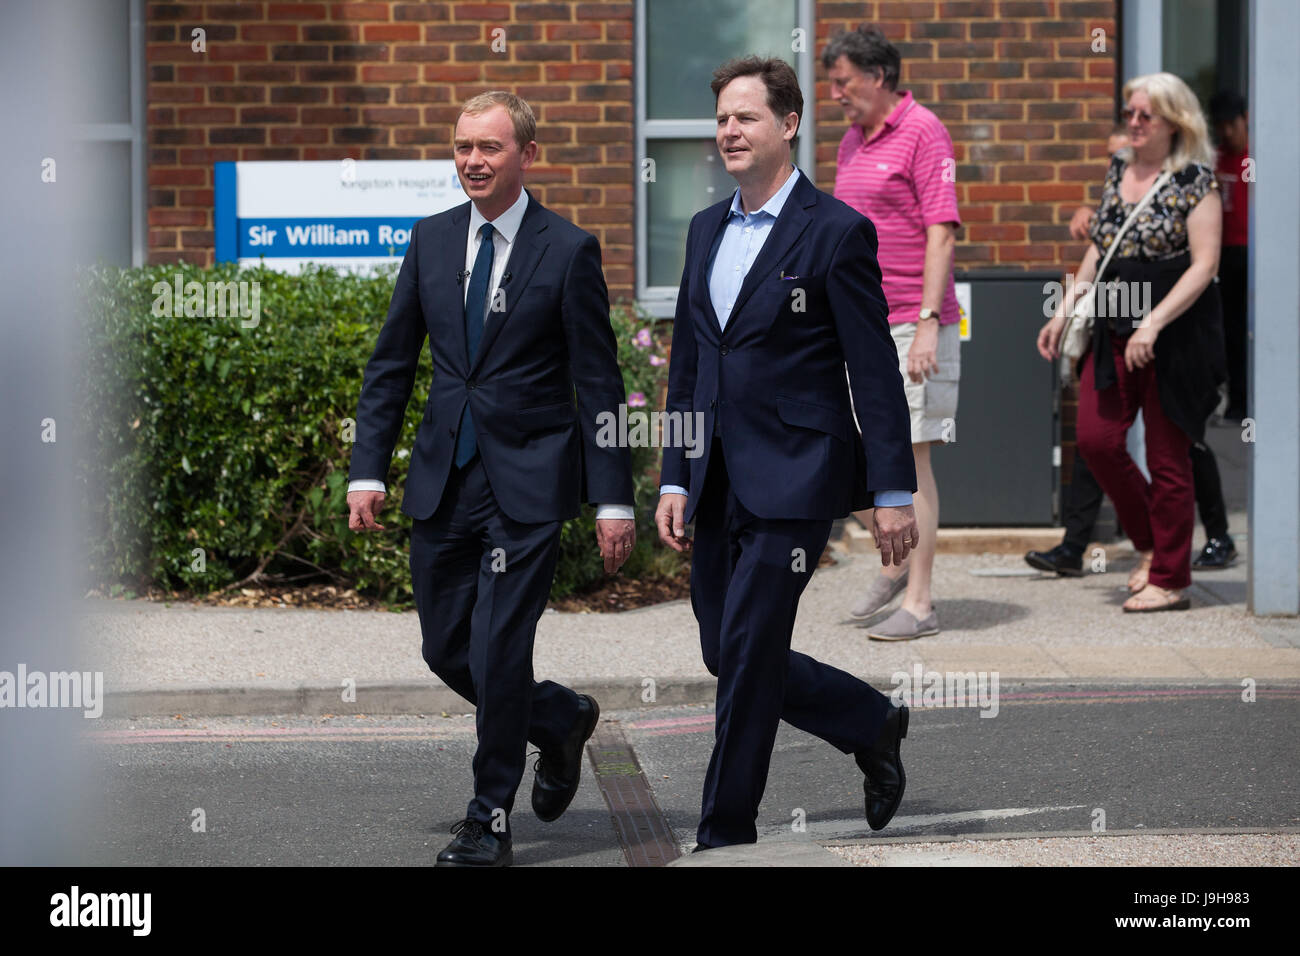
[902,179]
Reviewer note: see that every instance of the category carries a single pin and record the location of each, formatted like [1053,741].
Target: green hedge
[211,435]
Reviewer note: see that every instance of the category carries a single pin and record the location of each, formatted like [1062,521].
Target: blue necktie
[475,315]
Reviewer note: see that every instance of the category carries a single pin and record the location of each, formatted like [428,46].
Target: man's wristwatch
[928,314]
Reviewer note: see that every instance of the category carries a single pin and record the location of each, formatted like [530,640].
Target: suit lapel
[787,229]
[524,256]
[701,278]
[446,288]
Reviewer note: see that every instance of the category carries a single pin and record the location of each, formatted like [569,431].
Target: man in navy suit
[781,292]
[513,302]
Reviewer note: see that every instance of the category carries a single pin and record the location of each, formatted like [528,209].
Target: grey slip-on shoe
[880,592]
[902,626]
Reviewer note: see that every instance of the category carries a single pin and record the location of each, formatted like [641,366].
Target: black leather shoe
[882,769]
[558,771]
[1218,553]
[476,845]
[1061,559]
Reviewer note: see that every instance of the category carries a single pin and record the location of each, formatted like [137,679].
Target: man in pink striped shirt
[895,166]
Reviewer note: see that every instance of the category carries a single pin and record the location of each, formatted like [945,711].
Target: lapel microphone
[461,277]
[505,278]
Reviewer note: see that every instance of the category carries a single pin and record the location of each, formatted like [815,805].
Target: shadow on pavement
[974,614]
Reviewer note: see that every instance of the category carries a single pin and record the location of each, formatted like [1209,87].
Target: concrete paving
[996,615]
[763,854]
[184,658]
[1112,849]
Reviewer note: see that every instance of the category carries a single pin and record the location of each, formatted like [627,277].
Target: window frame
[661,301]
[134,132]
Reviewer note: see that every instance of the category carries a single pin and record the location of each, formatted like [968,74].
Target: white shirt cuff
[615,512]
[366,484]
[673,490]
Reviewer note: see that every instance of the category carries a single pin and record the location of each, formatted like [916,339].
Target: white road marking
[855,827]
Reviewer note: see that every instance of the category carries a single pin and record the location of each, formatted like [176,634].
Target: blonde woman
[1163,352]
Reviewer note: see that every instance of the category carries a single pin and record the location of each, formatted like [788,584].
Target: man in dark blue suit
[781,292]
[513,302]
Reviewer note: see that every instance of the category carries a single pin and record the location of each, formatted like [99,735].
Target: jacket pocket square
[784,277]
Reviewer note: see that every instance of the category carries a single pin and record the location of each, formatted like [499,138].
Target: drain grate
[644,834]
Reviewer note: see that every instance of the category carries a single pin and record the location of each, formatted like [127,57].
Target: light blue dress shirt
[742,241]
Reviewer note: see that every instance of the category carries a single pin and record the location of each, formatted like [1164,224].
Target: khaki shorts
[932,403]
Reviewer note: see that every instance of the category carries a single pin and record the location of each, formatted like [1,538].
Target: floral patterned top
[1161,231]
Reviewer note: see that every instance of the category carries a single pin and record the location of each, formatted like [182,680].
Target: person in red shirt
[1235,171]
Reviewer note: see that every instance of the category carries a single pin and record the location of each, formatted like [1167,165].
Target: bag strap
[1142,203]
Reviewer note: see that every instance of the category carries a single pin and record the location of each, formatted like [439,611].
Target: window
[1204,42]
[679,45]
[110,111]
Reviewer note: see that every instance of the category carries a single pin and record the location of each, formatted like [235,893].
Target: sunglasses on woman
[1143,117]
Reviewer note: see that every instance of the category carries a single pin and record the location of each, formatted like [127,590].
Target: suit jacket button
[471,384]
[724,350]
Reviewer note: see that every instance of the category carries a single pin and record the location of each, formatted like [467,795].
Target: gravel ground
[1253,849]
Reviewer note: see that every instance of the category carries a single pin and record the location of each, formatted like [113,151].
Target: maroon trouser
[1159,515]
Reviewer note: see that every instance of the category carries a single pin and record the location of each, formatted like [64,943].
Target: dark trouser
[1158,516]
[746,577]
[1082,502]
[1232,285]
[481,582]
[1209,491]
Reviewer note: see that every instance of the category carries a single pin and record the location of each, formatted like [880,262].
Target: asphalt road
[384,790]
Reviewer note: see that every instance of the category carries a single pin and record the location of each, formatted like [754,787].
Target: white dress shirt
[504,230]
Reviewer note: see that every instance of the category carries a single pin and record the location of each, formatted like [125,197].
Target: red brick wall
[301,81]
[1026,100]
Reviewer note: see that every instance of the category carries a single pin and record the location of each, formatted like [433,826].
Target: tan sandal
[1169,601]
[1138,577]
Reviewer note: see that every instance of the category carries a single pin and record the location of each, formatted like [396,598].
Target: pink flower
[658,360]
[636,400]
[642,339]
